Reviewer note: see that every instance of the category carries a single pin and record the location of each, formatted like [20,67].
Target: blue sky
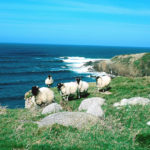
[79,22]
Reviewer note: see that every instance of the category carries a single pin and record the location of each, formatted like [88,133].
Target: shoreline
[132,65]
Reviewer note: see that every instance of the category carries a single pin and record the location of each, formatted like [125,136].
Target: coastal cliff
[135,65]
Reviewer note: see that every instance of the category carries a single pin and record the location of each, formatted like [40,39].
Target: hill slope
[136,65]
[122,129]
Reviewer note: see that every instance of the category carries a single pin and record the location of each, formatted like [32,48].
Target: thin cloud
[86,7]
[75,7]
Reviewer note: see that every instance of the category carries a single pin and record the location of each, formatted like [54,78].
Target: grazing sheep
[66,89]
[49,81]
[43,96]
[82,86]
[102,82]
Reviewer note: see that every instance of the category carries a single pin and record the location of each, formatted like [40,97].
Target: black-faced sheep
[43,96]
[67,89]
[49,81]
[82,86]
[102,82]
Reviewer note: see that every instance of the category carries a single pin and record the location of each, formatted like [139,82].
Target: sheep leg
[67,97]
[79,96]
[63,97]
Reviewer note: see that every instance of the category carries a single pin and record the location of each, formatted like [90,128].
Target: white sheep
[49,81]
[82,86]
[102,82]
[67,89]
[43,96]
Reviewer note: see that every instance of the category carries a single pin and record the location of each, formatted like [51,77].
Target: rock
[132,101]
[75,119]
[3,110]
[30,103]
[95,110]
[52,108]
[148,123]
[85,104]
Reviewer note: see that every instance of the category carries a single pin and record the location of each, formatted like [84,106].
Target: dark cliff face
[136,65]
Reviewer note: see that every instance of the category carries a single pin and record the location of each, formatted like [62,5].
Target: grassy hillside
[136,65]
[122,128]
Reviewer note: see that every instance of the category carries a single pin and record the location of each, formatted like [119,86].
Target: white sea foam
[76,64]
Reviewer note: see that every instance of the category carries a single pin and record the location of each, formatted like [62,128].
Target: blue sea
[25,65]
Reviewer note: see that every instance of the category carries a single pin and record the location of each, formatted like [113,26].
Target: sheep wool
[83,86]
[49,80]
[68,89]
[44,96]
[103,81]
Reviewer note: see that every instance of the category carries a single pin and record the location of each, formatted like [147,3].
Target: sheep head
[97,78]
[78,80]
[49,76]
[59,85]
[35,90]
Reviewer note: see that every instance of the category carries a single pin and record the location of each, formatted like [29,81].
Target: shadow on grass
[143,140]
[105,89]
[83,95]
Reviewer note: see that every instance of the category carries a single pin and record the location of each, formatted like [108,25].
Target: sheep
[82,86]
[43,96]
[66,89]
[102,82]
[49,81]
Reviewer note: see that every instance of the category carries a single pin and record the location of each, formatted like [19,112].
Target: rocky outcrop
[135,65]
[3,110]
[75,119]
[30,101]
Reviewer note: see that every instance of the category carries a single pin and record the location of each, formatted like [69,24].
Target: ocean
[25,65]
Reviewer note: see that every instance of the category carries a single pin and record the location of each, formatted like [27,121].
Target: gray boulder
[85,104]
[75,119]
[95,110]
[52,108]
[30,103]
[148,123]
[132,101]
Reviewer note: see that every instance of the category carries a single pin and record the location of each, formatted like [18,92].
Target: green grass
[122,128]
[124,61]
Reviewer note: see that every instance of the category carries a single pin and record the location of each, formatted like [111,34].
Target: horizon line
[52,44]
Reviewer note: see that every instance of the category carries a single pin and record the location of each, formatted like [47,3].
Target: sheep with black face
[67,89]
[49,81]
[43,96]
[82,86]
[103,82]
